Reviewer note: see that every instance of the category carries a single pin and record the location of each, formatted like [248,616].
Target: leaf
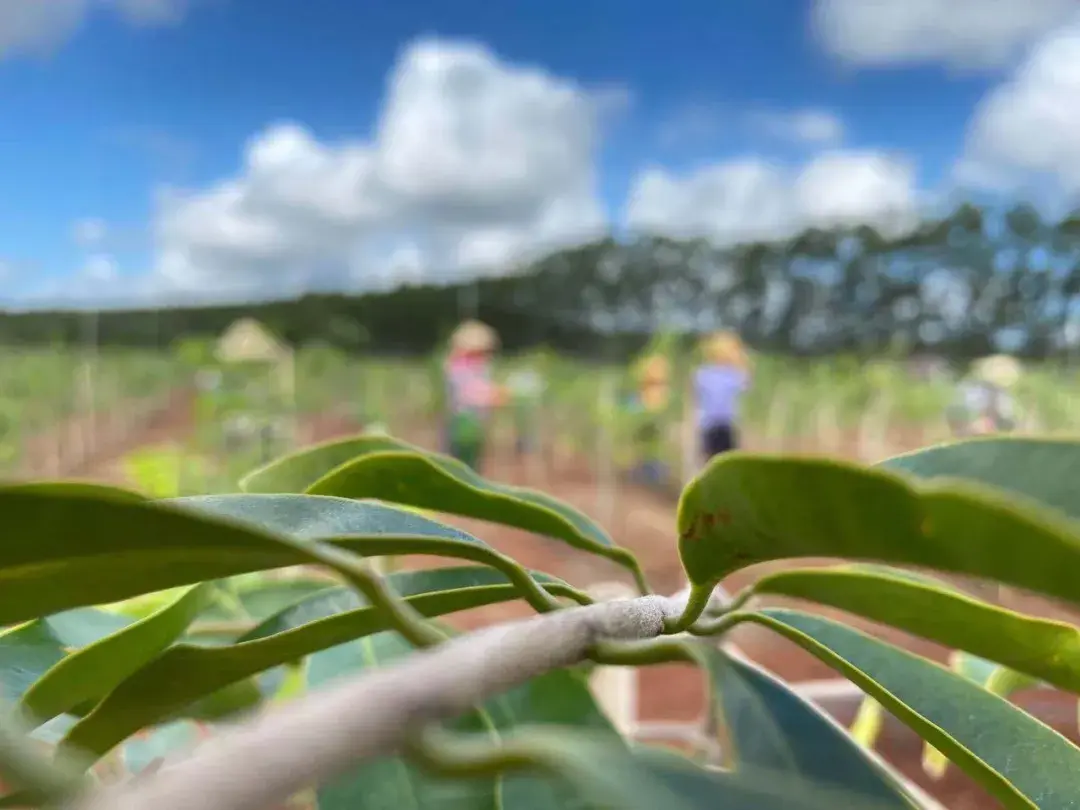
[608,775]
[390,470]
[30,650]
[559,698]
[69,551]
[994,678]
[91,672]
[87,489]
[866,727]
[185,672]
[392,782]
[974,728]
[773,729]
[367,527]
[261,600]
[746,509]
[1043,649]
[1043,470]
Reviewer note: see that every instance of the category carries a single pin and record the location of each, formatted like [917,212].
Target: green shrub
[134,625]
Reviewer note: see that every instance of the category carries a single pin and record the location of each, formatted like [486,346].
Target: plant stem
[321,735]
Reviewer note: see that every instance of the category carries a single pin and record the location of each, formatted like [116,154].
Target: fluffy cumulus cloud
[39,26]
[752,199]
[473,164]
[1029,127]
[959,33]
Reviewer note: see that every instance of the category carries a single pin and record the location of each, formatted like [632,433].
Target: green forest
[962,286]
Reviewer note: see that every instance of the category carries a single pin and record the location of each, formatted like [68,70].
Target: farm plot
[580,448]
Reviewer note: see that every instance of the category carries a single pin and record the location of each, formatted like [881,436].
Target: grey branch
[315,738]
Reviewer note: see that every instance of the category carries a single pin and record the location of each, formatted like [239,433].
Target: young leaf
[94,670]
[773,729]
[185,673]
[1043,470]
[972,727]
[747,509]
[389,470]
[924,606]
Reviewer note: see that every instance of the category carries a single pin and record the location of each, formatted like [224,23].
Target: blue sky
[744,118]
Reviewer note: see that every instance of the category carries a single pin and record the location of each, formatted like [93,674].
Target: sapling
[503,716]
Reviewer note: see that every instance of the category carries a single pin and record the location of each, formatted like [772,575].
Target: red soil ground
[643,522]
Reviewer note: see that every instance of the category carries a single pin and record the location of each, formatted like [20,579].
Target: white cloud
[810,126]
[472,162]
[1027,128]
[958,33]
[691,123]
[35,27]
[100,269]
[752,199]
[89,232]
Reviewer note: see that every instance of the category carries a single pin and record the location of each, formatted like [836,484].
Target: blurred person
[650,405]
[718,386]
[471,393]
[984,401]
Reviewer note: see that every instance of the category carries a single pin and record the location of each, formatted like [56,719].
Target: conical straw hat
[724,348]
[474,336]
[999,369]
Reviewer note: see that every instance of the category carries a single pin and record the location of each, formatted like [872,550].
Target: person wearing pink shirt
[471,392]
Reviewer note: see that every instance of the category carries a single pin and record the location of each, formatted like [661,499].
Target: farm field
[178,423]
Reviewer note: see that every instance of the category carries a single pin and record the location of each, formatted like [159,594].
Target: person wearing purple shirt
[718,386]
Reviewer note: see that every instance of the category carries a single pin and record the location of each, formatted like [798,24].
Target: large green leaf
[746,509]
[772,728]
[88,489]
[391,783]
[385,529]
[390,470]
[94,670]
[185,672]
[1041,469]
[990,676]
[1044,649]
[605,774]
[67,551]
[974,728]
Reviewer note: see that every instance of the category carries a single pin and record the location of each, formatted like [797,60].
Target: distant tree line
[963,286]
